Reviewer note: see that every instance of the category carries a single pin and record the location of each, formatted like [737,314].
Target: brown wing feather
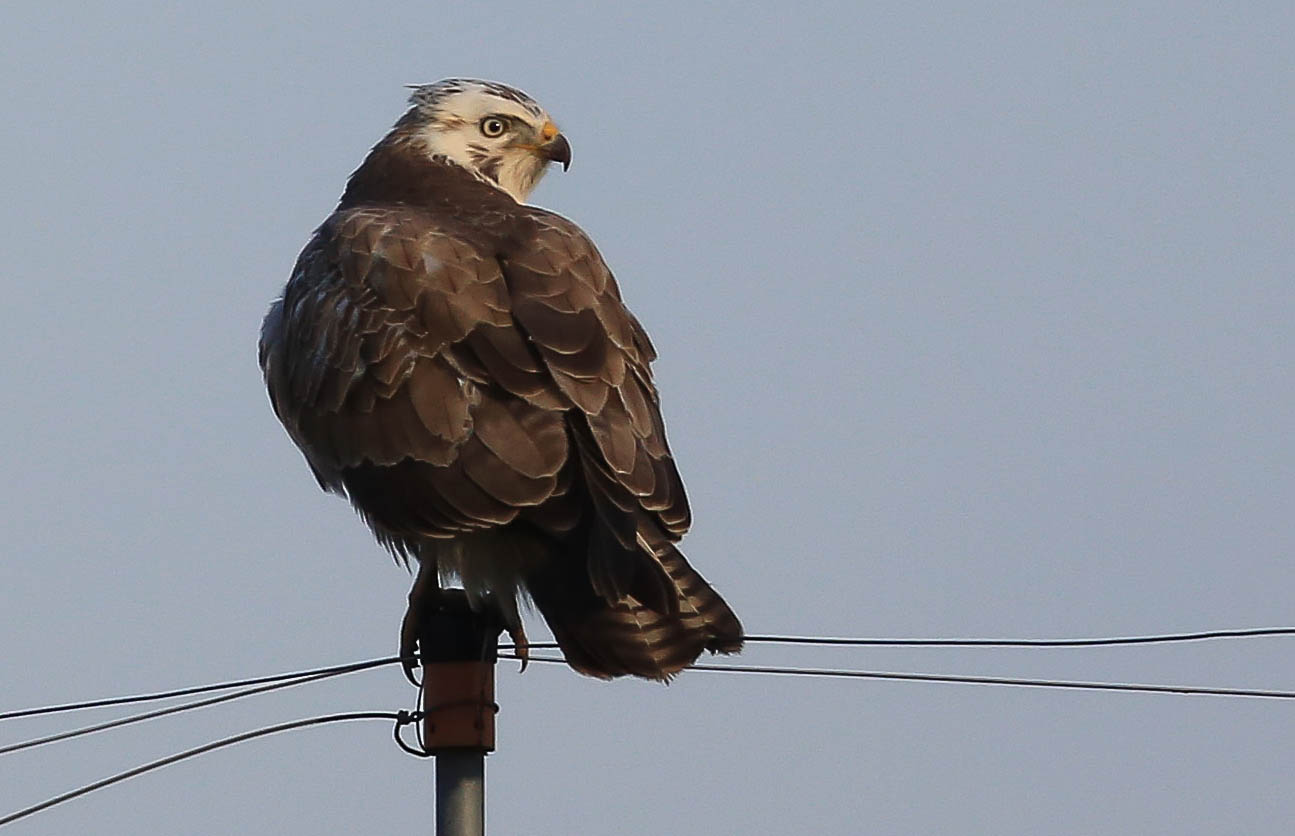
[598,356]
[363,369]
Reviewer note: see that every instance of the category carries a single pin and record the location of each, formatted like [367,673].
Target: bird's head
[497,132]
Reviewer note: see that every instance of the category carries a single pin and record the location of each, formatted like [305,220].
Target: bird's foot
[411,629]
[429,604]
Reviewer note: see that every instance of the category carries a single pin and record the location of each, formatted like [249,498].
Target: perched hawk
[461,366]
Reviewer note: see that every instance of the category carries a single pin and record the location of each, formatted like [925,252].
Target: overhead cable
[838,673]
[399,717]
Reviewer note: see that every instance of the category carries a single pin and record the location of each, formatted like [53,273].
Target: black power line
[334,670]
[1112,641]
[403,717]
[398,717]
[326,673]
[836,673]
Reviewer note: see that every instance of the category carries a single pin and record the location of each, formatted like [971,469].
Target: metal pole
[459,648]
[460,793]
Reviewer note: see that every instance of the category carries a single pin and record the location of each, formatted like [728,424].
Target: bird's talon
[521,647]
[409,663]
[409,659]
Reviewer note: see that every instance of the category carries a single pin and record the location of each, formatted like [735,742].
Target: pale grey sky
[974,319]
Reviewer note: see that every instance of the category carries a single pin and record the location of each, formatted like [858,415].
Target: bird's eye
[493,126]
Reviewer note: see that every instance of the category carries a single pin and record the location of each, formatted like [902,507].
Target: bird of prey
[460,365]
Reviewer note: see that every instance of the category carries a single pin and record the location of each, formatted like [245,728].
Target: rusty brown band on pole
[459,706]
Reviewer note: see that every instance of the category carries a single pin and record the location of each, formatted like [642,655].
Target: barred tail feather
[607,640]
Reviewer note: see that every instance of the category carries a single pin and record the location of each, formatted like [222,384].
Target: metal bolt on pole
[459,649]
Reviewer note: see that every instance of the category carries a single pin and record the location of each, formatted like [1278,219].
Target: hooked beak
[557,150]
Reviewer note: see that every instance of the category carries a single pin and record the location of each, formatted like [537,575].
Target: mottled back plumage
[462,367]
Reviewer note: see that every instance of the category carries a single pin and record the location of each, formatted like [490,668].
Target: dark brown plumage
[462,367]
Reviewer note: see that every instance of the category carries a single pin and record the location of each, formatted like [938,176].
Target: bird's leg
[422,598]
